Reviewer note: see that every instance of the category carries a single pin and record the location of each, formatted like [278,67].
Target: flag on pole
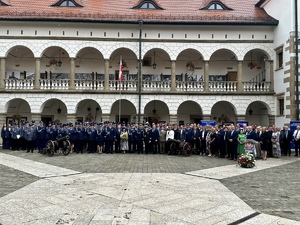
[120,70]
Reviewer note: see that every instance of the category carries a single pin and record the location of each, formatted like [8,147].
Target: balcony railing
[19,84]
[89,84]
[189,85]
[50,84]
[126,85]
[156,85]
[257,86]
[132,85]
[222,86]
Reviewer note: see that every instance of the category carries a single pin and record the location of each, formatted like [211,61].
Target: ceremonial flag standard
[120,70]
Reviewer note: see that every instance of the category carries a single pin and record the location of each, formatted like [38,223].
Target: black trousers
[297,145]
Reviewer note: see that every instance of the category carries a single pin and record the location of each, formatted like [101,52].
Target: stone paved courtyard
[146,189]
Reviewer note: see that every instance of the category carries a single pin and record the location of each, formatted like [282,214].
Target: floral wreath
[246,160]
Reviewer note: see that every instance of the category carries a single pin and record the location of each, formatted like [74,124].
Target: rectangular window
[279,57]
[280,60]
[281,106]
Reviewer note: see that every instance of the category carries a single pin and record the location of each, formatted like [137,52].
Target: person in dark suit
[148,139]
[195,139]
[285,140]
[189,134]
[221,142]
[181,135]
[118,140]
[232,136]
[110,136]
[154,139]
[131,140]
[269,133]
[3,136]
[139,136]
[203,134]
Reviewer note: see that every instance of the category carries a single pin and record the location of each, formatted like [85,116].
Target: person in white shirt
[296,136]
[170,135]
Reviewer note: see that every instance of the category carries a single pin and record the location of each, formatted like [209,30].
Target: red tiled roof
[174,11]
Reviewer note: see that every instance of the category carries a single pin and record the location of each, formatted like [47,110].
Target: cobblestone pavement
[122,163]
[12,180]
[273,191]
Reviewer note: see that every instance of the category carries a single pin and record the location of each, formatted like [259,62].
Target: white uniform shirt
[170,134]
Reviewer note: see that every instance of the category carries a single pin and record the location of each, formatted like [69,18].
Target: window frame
[60,2]
[152,3]
[279,57]
[215,5]
[280,108]
[3,4]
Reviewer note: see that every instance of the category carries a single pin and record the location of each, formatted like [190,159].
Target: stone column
[37,73]
[71,118]
[2,118]
[206,76]
[239,76]
[2,73]
[142,120]
[272,75]
[106,74]
[240,117]
[206,117]
[37,117]
[173,118]
[173,76]
[106,117]
[72,74]
[271,120]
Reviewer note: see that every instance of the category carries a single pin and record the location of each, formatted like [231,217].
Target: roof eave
[272,22]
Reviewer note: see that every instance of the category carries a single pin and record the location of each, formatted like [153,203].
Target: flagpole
[120,85]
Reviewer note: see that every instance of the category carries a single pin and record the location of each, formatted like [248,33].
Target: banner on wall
[208,122]
[293,126]
[242,122]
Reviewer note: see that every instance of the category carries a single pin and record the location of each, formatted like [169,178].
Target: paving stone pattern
[122,163]
[172,191]
[12,180]
[274,191]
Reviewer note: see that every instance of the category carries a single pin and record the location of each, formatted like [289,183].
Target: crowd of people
[109,137]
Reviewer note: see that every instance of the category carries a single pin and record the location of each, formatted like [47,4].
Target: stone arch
[269,53]
[161,46]
[259,114]
[54,103]
[88,107]
[223,111]
[191,46]
[10,46]
[231,49]
[114,48]
[93,45]
[17,106]
[162,110]
[125,110]
[65,47]
[190,111]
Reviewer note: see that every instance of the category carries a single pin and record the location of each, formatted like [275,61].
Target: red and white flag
[120,70]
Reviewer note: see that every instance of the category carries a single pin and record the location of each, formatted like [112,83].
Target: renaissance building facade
[182,61]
